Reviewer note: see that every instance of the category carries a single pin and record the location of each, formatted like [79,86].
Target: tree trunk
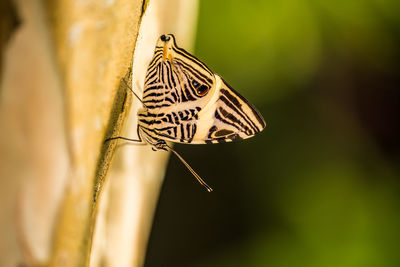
[62,94]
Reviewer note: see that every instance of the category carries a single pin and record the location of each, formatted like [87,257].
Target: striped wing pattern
[185,102]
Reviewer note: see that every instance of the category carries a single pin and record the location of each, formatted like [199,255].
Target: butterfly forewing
[187,103]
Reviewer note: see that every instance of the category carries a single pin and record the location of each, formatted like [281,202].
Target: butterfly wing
[187,103]
[226,117]
[229,118]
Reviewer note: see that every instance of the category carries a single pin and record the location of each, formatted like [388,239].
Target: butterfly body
[185,102]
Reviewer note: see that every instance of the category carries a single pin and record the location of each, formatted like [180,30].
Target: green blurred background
[321,185]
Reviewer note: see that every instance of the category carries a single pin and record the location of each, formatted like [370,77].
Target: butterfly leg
[127,139]
[124,138]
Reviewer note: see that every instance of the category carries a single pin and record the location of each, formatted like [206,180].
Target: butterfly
[185,102]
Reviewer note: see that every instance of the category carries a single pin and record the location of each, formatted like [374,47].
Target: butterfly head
[166,41]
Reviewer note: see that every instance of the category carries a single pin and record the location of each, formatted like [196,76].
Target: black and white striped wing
[187,103]
[231,117]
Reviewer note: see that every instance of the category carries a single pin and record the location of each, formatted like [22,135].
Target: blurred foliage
[320,186]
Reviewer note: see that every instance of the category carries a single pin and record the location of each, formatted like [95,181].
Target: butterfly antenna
[201,181]
[135,93]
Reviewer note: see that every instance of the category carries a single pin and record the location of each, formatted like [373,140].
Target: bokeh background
[321,185]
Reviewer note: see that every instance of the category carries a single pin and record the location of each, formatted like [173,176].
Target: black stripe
[255,111]
[169,100]
[153,115]
[157,106]
[220,117]
[151,122]
[182,132]
[211,131]
[169,118]
[239,112]
[154,100]
[181,115]
[154,87]
[172,75]
[184,53]
[174,96]
[164,128]
[188,131]
[176,118]
[169,75]
[194,129]
[154,94]
[194,72]
[150,75]
[183,94]
[188,94]
[233,118]
[156,57]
